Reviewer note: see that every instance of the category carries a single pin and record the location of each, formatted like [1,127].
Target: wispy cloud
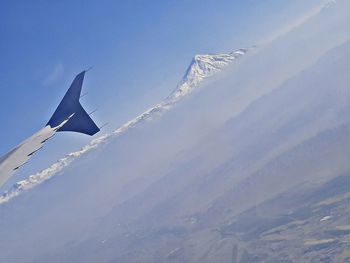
[55,74]
[298,22]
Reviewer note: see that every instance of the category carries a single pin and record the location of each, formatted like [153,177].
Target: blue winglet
[80,121]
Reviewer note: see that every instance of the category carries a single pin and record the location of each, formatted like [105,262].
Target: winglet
[90,68]
[80,121]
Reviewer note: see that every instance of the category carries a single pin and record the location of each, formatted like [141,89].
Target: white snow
[325,218]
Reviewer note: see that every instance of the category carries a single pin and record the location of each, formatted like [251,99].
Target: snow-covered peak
[201,68]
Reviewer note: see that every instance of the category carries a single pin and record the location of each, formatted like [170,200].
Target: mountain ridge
[201,68]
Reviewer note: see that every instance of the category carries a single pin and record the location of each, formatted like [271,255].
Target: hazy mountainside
[305,224]
[251,168]
[203,218]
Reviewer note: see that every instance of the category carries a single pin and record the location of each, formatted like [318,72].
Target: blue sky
[139,50]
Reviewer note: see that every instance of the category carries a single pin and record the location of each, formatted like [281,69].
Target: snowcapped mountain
[201,68]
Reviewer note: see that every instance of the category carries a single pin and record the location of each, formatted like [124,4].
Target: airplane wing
[69,116]
[13,160]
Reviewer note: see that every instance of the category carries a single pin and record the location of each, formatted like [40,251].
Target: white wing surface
[13,160]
